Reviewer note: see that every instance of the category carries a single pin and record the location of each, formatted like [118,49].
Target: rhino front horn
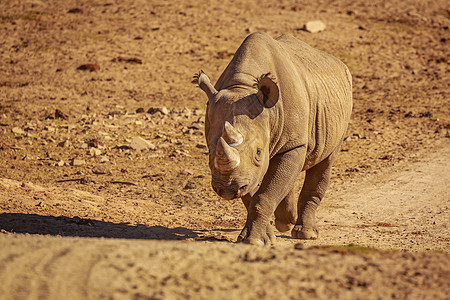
[231,135]
[205,84]
[227,158]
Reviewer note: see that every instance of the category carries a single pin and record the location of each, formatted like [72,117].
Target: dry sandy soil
[84,214]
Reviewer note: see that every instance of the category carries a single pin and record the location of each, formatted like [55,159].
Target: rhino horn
[231,135]
[205,84]
[227,158]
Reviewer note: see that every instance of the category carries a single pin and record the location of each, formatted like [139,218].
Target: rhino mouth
[232,192]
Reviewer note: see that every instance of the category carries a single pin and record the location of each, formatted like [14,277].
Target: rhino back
[315,92]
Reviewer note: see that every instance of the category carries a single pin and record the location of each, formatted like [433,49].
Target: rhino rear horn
[268,91]
[231,135]
[205,84]
[226,158]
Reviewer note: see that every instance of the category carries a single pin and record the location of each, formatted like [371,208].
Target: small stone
[60,163]
[89,67]
[64,144]
[101,169]
[190,186]
[187,172]
[314,26]
[201,146]
[17,130]
[95,152]
[93,143]
[60,115]
[140,144]
[50,128]
[75,10]
[78,162]
[103,159]
[164,110]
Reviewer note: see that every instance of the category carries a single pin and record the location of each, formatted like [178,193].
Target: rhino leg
[277,183]
[269,236]
[286,212]
[313,190]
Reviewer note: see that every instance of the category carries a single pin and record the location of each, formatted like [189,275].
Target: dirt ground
[86,211]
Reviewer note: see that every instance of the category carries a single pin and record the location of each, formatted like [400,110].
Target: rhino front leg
[279,180]
[316,182]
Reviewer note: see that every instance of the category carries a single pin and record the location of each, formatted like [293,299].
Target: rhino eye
[258,152]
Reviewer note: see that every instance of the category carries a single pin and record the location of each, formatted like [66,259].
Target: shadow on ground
[79,227]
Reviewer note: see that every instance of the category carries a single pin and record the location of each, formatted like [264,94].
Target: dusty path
[404,208]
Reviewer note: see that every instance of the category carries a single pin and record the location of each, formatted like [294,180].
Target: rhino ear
[205,84]
[268,92]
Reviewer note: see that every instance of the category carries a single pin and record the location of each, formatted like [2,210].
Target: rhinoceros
[280,107]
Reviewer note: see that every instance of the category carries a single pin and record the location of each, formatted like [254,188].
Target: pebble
[101,169]
[78,162]
[140,144]
[95,152]
[64,144]
[187,172]
[190,186]
[60,163]
[314,26]
[17,130]
[103,159]
[89,67]
[163,110]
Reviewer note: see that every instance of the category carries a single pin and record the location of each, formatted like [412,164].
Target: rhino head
[238,135]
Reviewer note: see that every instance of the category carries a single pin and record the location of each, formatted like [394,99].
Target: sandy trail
[406,207]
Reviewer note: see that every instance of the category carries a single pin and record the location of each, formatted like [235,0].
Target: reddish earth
[80,80]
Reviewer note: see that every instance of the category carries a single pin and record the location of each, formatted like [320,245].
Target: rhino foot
[283,226]
[305,233]
[266,238]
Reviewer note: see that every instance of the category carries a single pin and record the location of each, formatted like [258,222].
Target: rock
[95,152]
[101,169]
[190,186]
[187,172]
[103,159]
[17,130]
[314,26]
[140,110]
[60,115]
[75,10]
[64,144]
[60,163]
[50,128]
[78,162]
[131,60]
[163,110]
[140,144]
[89,67]
[201,146]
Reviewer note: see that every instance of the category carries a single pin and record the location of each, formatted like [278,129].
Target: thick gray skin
[300,128]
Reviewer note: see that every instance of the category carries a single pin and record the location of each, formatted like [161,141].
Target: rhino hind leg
[314,187]
[286,212]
